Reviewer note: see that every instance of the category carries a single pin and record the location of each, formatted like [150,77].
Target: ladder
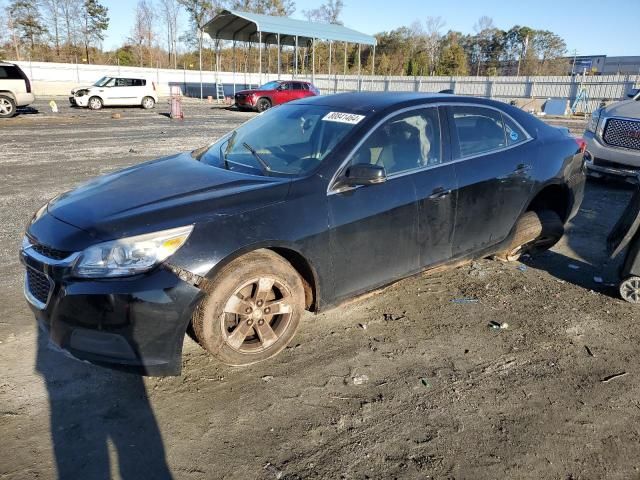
[220,92]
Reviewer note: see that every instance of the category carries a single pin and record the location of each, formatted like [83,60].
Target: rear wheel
[95,103]
[263,104]
[630,290]
[252,309]
[534,232]
[7,107]
[148,103]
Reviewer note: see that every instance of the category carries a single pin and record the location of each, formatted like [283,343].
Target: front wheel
[263,104]
[252,309]
[95,103]
[534,232]
[7,107]
[148,103]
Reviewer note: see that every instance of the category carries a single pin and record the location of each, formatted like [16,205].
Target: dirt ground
[408,383]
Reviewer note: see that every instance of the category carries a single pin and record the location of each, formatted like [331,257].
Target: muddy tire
[95,103]
[252,309]
[534,232]
[263,104]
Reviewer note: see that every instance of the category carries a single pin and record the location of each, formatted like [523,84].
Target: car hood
[249,92]
[626,108]
[164,193]
[84,87]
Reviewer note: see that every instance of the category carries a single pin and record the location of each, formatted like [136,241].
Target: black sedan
[301,208]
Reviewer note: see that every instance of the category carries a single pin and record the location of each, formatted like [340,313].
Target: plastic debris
[363,326]
[267,378]
[275,471]
[498,326]
[360,379]
[425,382]
[465,300]
[54,106]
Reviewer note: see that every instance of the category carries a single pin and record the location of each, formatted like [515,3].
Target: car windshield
[269,86]
[289,140]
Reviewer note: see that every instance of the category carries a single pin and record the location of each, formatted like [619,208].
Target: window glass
[120,82]
[291,139]
[10,72]
[305,86]
[514,132]
[405,142]
[285,86]
[297,86]
[479,130]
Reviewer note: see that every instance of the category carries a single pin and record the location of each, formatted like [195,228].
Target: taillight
[154,86]
[28,82]
[582,145]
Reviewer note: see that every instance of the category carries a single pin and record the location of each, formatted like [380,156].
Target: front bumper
[606,160]
[243,101]
[82,101]
[135,324]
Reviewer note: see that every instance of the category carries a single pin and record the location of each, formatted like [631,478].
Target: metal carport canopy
[249,27]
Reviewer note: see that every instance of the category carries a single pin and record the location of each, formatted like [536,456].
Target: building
[604,65]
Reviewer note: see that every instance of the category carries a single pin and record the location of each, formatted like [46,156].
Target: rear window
[135,82]
[479,130]
[9,72]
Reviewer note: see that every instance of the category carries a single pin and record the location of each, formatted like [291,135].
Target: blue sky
[589,26]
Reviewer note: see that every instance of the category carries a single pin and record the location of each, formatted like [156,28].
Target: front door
[493,174]
[374,229]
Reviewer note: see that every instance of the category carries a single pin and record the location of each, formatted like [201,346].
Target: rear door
[12,80]
[493,170]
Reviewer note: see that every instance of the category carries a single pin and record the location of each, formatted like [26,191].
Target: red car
[274,93]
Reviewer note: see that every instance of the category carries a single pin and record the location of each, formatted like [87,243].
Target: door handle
[438,193]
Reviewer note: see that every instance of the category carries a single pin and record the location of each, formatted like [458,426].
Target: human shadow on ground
[94,410]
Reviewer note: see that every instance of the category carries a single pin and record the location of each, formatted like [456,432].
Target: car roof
[378,101]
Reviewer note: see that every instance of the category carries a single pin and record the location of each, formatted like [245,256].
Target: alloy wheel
[256,315]
[630,290]
[6,107]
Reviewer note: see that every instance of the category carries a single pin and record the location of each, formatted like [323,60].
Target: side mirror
[364,174]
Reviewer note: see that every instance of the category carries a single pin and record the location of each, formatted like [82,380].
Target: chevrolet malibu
[301,208]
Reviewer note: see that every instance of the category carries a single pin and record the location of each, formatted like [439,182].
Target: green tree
[453,60]
[27,21]
[95,21]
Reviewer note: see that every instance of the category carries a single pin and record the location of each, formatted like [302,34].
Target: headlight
[128,256]
[593,121]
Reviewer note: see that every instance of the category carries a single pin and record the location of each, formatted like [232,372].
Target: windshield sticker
[513,135]
[340,117]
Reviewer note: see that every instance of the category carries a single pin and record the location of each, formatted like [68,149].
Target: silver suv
[15,89]
[613,139]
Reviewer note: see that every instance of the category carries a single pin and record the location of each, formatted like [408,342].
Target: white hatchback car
[112,91]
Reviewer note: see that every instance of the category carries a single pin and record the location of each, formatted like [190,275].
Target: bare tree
[329,12]
[70,20]
[433,40]
[170,12]
[52,11]
[484,33]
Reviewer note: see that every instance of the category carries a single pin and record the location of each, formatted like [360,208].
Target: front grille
[622,133]
[49,252]
[39,285]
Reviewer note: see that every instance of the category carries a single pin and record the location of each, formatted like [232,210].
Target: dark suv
[274,93]
[301,208]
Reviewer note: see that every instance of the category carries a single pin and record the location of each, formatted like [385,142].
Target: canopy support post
[259,57]
[329,57]
[359,66]
[313,60]
[200,56]
[295,52]
[344,74]
[235,67]
[278,56]
[373,65]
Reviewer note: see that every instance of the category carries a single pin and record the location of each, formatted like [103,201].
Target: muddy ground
[406,383]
